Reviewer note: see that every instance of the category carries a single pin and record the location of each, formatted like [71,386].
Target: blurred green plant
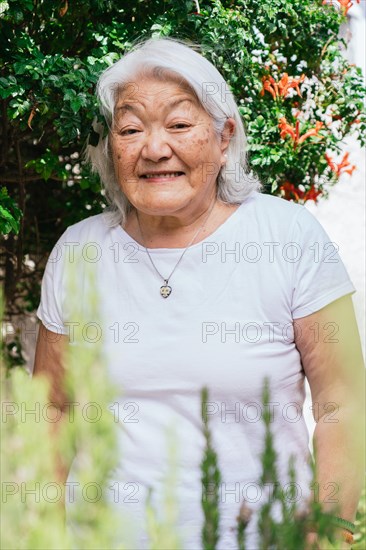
[291,532]
[31,498]
[360,522]
[210,478]
[162,531]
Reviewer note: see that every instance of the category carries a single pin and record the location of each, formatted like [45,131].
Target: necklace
[166,289]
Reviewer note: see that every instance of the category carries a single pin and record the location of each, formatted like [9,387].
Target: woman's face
[166,154]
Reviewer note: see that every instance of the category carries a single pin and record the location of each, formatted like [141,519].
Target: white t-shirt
[227,324]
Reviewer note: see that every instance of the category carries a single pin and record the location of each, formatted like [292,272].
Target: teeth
[168,175]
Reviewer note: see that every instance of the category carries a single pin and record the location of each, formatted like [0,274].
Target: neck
[172,231]
[169,232]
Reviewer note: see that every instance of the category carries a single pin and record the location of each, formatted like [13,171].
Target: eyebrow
[131,107]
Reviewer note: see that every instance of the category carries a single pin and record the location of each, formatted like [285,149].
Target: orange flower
[288,82]
[281,88]
[312,194]
[294,132]
[312,132]
[344,167]
[345,5]
[270,86]
[291,192]
[286,128]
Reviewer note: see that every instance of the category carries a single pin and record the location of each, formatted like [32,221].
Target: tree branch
[22,207]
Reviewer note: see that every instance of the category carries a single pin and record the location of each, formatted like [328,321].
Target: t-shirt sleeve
[319,275]
[50,308]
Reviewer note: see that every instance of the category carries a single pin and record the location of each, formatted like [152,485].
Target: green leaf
[10,214]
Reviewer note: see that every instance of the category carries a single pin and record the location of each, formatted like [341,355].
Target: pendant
[165,290]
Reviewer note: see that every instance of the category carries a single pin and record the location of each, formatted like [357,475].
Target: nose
[156,145]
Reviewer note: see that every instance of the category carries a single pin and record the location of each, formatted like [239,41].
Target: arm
[49,362]
[333,365]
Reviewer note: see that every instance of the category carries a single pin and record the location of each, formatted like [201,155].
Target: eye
[180,125]
[127,132]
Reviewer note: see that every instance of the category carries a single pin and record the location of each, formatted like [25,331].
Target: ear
[226,135]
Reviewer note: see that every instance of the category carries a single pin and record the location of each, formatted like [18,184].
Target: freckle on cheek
[119,157]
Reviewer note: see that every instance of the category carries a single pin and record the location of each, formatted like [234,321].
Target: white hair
[167,58]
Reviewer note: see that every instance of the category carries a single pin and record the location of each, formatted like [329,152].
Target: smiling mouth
[162,176]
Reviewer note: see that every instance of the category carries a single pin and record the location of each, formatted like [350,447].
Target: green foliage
[10,214]
[52,60]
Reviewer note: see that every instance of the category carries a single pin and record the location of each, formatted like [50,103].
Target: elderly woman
[222,286]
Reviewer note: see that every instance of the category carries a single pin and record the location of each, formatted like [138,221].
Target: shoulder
[272,218]
[92,231]
[274,206]
[272,213]
[92,228]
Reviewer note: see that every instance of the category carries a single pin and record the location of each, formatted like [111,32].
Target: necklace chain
[166,280]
